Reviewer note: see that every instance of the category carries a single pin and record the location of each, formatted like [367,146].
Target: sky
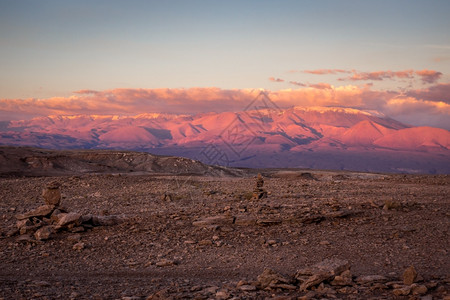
[71,57]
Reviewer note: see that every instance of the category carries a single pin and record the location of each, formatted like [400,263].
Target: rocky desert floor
[317,235]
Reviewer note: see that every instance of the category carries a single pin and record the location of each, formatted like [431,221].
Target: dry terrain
[204,237]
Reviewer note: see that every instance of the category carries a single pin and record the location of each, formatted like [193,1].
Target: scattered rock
[271,279]
[323,271]
[166,197]
[404,291]
[247,288]
[390,204]
[419,289]
[79,246]
[345,278]
[215,220]
[44,233]
[370,279]
[165,263]
[105,220]
[410,275]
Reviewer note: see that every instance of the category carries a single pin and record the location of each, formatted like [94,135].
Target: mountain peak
[317,137]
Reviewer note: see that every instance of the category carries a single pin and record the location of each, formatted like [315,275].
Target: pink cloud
[273,79]
[321,85]
[429,103]
[82,92]
[429,76]
[297,83]
[326,71]
[379,75]
[437,93]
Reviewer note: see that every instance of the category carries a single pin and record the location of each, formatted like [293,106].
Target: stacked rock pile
[259,192]
[47,220]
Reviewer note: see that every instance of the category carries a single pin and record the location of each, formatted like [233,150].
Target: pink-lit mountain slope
[317,137]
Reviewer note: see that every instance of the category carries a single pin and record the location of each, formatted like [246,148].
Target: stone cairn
[45,221]
[259,192]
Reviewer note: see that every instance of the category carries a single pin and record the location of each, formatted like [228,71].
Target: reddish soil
[381,224]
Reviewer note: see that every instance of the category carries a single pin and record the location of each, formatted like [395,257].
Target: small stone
[77,229]
[203,243]
[271,242]
[79,246]
[25,238]
[419,290]
[404,291]
[166,197]
[222,295]
[24,223]
[44,233]
[344,279]
[165,263]
[74,238]
[410,275]
[210,290]
[247,288]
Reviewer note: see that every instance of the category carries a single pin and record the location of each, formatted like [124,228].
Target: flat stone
[25,238]
[245,221]
[215,220]
[268,222]
[314,280]
[247,288]
[41,211]
[105,220]
[331,266]
[270,278]
[370,279]
[69,218]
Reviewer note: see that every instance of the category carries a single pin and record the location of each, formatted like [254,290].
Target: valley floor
[203,237]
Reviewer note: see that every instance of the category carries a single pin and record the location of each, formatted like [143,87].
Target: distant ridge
[311,137]
[27,161]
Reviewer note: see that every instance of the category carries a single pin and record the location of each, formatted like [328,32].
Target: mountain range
[257,137]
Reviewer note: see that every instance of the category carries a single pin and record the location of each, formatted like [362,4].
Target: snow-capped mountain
[310,137]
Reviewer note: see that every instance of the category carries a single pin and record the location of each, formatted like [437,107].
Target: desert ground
[317,235]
